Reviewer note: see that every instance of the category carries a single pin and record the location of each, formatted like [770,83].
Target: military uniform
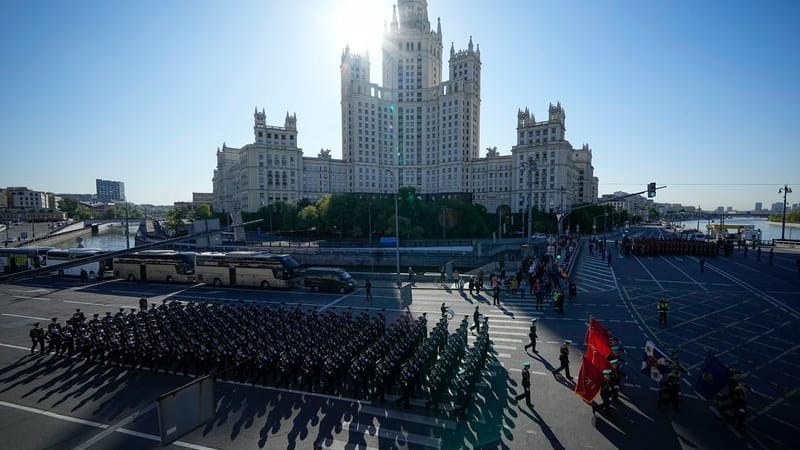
[663,309]
[526,384]
[563,359]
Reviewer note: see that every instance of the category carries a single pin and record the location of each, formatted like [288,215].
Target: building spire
[439,27]
[469,47]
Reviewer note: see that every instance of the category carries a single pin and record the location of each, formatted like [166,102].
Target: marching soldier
[526,384]
[143,304]
[663,309]
[563,359]
[532,336]
[37,338]
[368,288]
[444,310]
[606,391]
[476,317]
[670,390]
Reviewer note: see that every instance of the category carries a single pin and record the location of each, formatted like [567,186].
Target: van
[333,279]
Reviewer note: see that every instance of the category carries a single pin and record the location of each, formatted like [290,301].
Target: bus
[22,258]
[58,256]
[156,265]
[248,268]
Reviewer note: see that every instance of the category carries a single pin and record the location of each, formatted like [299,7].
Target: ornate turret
[556,113]
[290,123]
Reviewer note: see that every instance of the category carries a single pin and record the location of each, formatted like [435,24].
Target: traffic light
[651,190]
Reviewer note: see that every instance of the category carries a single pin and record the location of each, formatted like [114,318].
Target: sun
[359,23]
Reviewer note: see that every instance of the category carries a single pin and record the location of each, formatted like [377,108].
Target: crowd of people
[337,352]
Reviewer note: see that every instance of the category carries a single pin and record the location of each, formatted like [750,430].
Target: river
[769,231]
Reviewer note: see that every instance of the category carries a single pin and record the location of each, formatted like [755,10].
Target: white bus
[22,258]
[253,269]
[58,256]
[156,265]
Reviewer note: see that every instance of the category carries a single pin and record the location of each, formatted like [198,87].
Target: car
[334,279]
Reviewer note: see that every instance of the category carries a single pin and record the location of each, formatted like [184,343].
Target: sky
[698,96]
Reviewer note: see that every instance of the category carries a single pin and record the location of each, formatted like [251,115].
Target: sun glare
[359,23]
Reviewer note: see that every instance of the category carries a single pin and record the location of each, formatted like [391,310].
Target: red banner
[590,375]
[597,337]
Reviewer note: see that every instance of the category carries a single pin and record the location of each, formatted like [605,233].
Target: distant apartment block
[758,207]
[110,191]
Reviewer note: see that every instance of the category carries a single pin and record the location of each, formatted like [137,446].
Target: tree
[308,217]
[202,212]
[174,221]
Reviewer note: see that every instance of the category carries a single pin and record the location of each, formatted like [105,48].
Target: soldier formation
[333,352]
[655,246]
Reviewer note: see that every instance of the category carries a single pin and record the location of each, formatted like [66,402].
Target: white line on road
[18,347]
[336,301]
[24,317]
[686,274]
[648,272]
[90,423]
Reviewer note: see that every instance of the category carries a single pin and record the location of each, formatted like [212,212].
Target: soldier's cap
[607,372]
[95,314]
[567,341]
[614,362]
[442,303]
[615,347]
[526,364]
[54,319]
[36,324]
[534,320]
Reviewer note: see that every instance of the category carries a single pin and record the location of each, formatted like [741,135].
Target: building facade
[415,129]
[110,191]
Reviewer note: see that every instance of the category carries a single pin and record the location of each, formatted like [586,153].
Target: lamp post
[369,207]
[396,223]
[127,229]
[784,190]
[531,166]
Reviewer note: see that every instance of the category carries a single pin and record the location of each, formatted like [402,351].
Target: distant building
[3,198]
[24,198]
[110,191]
[200,198]
[758,207]
[777,207]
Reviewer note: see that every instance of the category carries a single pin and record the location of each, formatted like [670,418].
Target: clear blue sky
[677,92]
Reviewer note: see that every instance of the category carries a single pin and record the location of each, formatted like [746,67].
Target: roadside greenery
[793,217]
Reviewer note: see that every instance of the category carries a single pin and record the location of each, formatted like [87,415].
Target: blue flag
[713,377]
[654,363]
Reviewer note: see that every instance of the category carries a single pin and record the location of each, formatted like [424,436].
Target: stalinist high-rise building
[423,129]
[417,127]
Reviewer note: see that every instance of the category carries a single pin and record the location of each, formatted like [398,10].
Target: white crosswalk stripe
[593,275]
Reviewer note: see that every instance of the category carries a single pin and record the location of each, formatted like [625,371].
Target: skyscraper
[110,191]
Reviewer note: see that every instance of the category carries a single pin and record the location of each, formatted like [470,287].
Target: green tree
[308,217]
[202,212]
[174,221]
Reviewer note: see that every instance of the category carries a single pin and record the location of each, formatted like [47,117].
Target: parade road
[744,311]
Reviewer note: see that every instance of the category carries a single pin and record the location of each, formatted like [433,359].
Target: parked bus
[22,258]
[58,256]
[156,265]
[248,268]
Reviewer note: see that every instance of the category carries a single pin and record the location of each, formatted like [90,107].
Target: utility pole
[784,190]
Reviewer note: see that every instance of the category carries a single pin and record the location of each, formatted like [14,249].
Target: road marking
[103,426]
[648,271]
[25,317]
[408,417]
[18,347]
[113,428]
[685,274]
[774,302]
[336,301]
[359,429]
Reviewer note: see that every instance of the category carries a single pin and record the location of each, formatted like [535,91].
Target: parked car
[334,279]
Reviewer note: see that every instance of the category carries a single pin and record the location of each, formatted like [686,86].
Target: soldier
[573,290]
[368,288]
[526,384]
[496,294]
[606,390]
[670,390]
[771,254]
[563,359]
[663,309]
[616,377]
[444,310]
[532,336]
[476,317]
[37,337]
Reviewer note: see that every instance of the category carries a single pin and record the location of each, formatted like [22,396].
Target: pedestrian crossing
[594,275]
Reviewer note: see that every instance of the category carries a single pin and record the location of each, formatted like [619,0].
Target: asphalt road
[743,310]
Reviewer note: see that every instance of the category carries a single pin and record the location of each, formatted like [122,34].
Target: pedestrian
[526,384]
[476,317]
[702,264]
[471,285]
[663,309]
[368,288]
[771,254]
[563,359]
[411,275]
[84,275]
[532,336]
[573,290]
[758,253]
[37,338]
[496,295]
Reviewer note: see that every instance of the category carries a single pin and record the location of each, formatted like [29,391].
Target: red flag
[590,375]
[597,337]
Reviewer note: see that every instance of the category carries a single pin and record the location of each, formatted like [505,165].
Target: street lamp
[531,166]
[784,190]
[396,222]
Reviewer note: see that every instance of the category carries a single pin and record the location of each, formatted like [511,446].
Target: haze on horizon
[699,98]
